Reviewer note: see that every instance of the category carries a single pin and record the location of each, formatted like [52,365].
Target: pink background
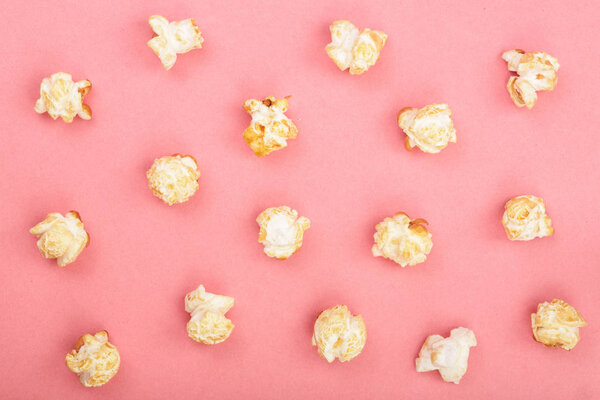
[346,171]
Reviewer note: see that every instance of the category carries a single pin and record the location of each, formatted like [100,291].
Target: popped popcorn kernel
[208,323]
[172,38]
[61,97]
[174,179]
[281,231]
[429,128]
[557,324]
[525,218]
[402,240]
[339,334]
[94,359]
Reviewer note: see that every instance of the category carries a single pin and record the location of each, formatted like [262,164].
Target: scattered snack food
[557,324]
[429,128]
[525,218]
[339,334]
[94,359]
[61,97]
[402,240]
[281,231]
[208,323]
[448,355]
[172,38]
[174,179]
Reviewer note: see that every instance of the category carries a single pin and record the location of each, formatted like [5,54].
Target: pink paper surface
[346,171]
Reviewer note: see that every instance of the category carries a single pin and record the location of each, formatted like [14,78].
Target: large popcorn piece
[174,179]
[447,355]
[525,218]
[281,231]
[61,237]
[354,49]
[172,38]
[61,97]
[94,359]
[270,127]
[402,240]
[557,324]
[339,334]
[536,71]
[429,128]
[208,323]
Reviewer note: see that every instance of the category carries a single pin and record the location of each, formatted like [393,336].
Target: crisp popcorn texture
[354,49]
[402,240]
[61,97]
[172,38]
[429,128]
[63,238]
[270,127]
[536,71]
[208,323]
[281,231]
[557,324]
[447,355]
[94,359]
[174,179]
[339,334]
[525,218]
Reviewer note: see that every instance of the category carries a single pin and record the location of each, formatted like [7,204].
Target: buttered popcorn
[354,49]
[172,38]
[402,240]
[94,359]
[339,334]
[208,323]
[525,218]
[281,231]
[61,97]
[429,128]
[174,179]
[557,324]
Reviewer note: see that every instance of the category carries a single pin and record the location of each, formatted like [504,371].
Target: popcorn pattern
[339,334]
[94,359]
[172,38]
[557,324]
[429,128]
[174,179]
[281,231]
[402,240]
[208,323]
[61,97]
[525,218]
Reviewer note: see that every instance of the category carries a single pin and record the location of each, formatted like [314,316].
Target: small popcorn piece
[525,218]
[448,355]
[557,324]
[354,49]
[174,179]
[94,359]
[339,334]
[402,240]
[281,231]
[63,238]
[536,71]
[429,128]
[208,323]
[61,97]
[172,38]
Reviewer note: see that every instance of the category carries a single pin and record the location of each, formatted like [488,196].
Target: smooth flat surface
[346,171]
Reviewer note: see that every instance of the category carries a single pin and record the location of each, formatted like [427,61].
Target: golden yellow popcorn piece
[339,334]
[172,38]
[557,324]
[61,97]
[208,323]
[281,231]
[525,218]
[536,71]
[354,49]
[174,179]
[447,355]
[429,128]
[402,240]
[94,359]
[61,237]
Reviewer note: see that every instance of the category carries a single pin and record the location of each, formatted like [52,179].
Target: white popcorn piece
[339,334]
[174,179]
[402,240]
[94,359]
[172,38]
[557,324]
[429,128]
[525,218]
[208,323]
[61,97]
[281,231]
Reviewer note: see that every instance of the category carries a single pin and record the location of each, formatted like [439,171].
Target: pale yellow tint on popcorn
[429,128]
[557,324]
[208,323]
[339,334]
[174,179]
[94,359]
[525,218]
[172,38]
[281,231]
[402,240]
[61,97]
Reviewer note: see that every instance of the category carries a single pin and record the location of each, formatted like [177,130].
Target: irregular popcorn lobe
[281,231]
[174,179]
[429,128]
[557,324]
[525,218]
[208,323]
[61,97]
[402,240]
[94,359]
[339,334]
[172,38]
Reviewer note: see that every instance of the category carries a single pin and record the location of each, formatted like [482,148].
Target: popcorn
[61,237]
[172,38]
[94,359]
[208,323]
[557,324]
[525,218]
[270,127]
[174,179]
[536,71]
[402,240]
[354,49]
[429,128]
[339,334]
[448,355]
[281,231]
[61,97]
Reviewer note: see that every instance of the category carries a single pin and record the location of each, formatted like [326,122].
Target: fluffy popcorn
[63,238]
[429,128]
[94,359]
[557,324]
[402,240]
[536,71]
[208,323]
[525,218]
[172,38]
[339,334]
[354,49]
[174,179]
[61,97]
[281,231]
[448,355]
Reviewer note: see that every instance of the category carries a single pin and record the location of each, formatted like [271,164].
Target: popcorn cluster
[557,324]
[94,359]
[61,97]
[172,38]
[339,334]
[525,218]
[429,128]
[281,231]
[208,323]
[174,179]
